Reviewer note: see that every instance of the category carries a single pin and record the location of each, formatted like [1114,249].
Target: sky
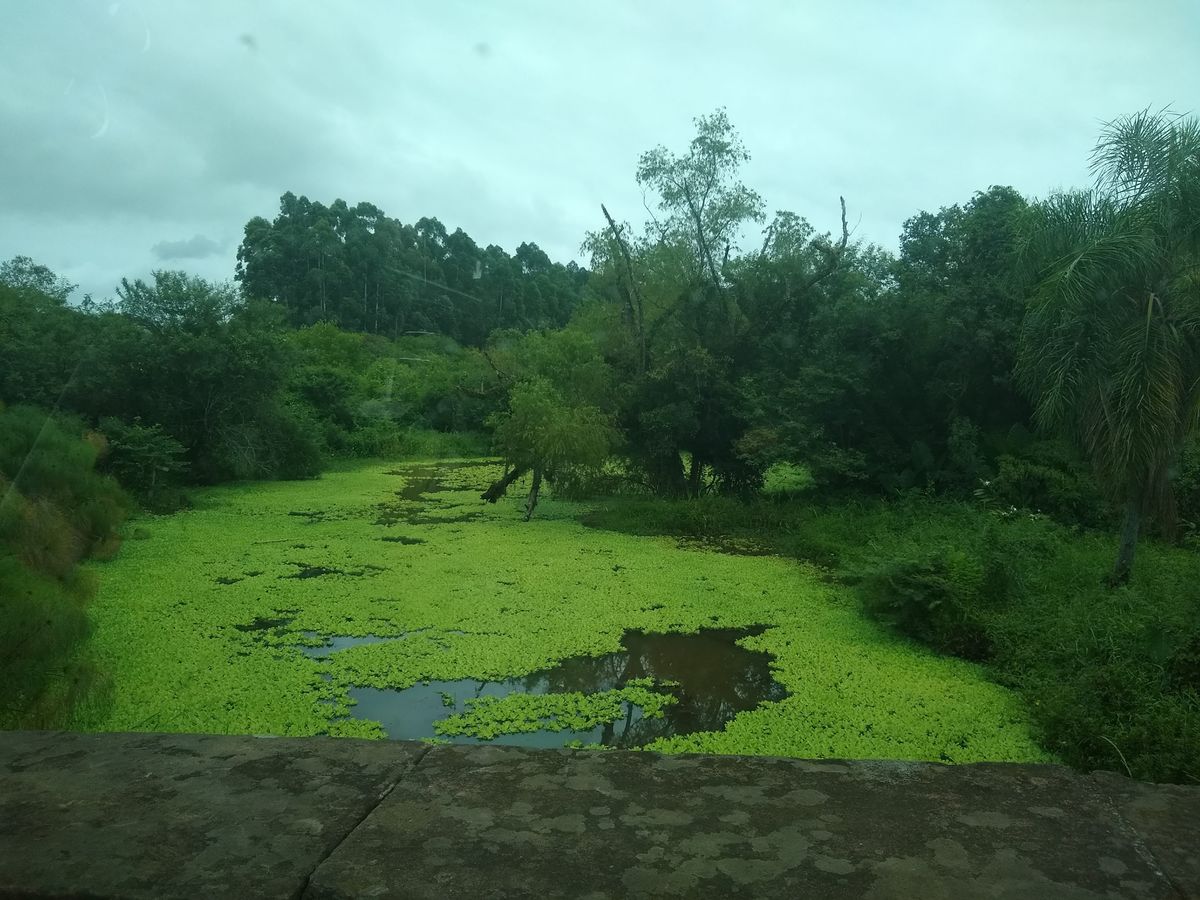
[144,135]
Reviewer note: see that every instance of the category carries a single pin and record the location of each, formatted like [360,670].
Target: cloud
[138,121]
[196,247]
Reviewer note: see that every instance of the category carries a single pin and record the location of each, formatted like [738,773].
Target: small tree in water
[1110,346]
[556,417]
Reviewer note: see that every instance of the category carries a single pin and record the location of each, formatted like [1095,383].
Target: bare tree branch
[633,295]
[833,253]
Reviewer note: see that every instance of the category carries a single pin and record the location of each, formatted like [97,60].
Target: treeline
[363,271]
[177,382]
[1044,354]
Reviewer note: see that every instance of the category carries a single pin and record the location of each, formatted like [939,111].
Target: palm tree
[1110,345]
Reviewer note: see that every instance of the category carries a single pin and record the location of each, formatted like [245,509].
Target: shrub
[54,510]
[934,597]
[1045,477]
[146,461]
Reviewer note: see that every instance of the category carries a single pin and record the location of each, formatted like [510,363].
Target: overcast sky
[142,135]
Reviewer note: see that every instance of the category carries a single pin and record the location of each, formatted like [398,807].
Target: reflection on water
[715,679]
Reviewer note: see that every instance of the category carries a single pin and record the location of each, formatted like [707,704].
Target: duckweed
[203,623]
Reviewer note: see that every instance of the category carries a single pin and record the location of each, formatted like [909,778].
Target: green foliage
[540,428]
[146,461]
[23,275]
[1186,489]
[1110,347]
[366,272]
[384,440]
[787,480]
[1045,477]
[932,597]
[54,510]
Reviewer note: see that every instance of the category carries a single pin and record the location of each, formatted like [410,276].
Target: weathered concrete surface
[184,816]
[137,815]
[503,822]
[1167,819]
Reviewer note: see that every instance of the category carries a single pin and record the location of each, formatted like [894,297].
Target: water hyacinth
[202,625]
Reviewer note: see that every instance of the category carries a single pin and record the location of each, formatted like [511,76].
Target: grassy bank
[1112,677]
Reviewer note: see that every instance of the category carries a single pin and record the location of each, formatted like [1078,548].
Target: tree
[557,417]
[1110,346]
[700,194]
[689,313]
[22,273]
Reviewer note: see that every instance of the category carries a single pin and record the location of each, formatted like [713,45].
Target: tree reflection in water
[713,680]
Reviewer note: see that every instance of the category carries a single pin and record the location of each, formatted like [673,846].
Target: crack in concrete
[1136,839]
[303,890]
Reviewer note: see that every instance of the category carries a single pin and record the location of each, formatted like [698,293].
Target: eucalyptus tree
[1110,345]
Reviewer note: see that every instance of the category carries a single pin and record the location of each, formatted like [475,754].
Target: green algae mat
[214,620]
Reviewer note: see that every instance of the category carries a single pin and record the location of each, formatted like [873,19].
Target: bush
[1186,485]
[146,461]
[934,597]
[383,438]
[54,510]
[787,480]
[1046,478]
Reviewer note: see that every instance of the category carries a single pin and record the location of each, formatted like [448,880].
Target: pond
[236,617]
[707,675]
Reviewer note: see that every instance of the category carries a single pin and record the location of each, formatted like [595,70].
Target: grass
[199,623]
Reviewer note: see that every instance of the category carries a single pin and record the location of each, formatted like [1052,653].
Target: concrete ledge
[133,816]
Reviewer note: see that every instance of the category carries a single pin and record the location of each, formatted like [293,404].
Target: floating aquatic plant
[492,597]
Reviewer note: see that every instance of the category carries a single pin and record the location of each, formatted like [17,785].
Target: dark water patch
[335,642]
[310,515]
[423,480]
[403,539]
[444,520]
[306,571]
[338,642]
[393,514]
[731,546]
[711,677]
[281,619]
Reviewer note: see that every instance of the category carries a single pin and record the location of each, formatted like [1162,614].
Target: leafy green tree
[210,369]
[699,194]
[557,416]
[1110,348]
[542,432]
[146,461]
[23,274]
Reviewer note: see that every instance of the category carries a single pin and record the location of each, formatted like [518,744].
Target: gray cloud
[133,122]
[196,247]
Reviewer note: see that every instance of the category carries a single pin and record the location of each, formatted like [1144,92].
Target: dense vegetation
[966,432]
[448,588]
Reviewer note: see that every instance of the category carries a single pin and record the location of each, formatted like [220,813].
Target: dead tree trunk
[532,500]
[500,487]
